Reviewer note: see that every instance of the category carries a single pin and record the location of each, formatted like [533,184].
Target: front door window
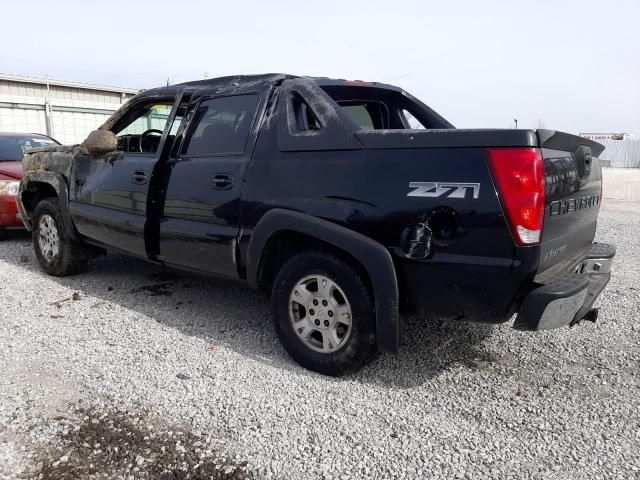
[141,130]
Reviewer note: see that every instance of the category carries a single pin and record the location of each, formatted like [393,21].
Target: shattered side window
[304,119]
[152,118]
[176,125]
[411,121]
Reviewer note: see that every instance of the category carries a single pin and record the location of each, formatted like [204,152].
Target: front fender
[375,259]
[33,181]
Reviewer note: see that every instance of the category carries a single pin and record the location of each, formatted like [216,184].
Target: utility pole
[48,113]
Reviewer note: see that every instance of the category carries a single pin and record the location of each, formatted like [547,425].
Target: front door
[109,192]
[201,214]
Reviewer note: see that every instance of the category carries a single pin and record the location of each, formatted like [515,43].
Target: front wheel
[57,253]
[323,313]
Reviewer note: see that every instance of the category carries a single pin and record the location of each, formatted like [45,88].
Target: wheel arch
[279,228]
[40,185]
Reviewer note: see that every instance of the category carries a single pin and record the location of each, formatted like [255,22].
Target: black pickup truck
[345,201]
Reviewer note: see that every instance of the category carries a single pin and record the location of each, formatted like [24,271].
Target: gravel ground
[128,371]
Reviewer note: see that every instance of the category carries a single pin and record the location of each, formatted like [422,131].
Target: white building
[66,111]
[620,149]
[608,136]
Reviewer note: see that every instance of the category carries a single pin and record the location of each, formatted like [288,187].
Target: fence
[622,153]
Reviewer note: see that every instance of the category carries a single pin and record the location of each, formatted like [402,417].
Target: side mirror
[100,142]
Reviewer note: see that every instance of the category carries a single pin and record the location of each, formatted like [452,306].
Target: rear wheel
[323,313]
[57,253]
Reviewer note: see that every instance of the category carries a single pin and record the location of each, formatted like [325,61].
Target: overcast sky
[571,65]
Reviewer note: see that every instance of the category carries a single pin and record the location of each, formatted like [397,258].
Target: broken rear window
[379,108]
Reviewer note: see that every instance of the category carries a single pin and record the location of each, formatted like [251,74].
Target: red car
[12,147]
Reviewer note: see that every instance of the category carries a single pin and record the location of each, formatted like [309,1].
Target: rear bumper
[568,297]
[9,217]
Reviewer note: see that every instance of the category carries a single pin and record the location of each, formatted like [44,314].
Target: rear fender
[375,259]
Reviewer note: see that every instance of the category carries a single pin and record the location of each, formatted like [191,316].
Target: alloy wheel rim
[320,314]
[48,238]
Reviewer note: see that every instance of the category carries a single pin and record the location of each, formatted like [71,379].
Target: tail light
[519,177]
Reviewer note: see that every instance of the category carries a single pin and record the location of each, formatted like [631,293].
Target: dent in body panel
[458,226]
[50,166]
[51,159]
[415,241]
[93,181]
[560,312]
[107,206]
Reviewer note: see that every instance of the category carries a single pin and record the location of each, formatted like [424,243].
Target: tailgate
[573,179]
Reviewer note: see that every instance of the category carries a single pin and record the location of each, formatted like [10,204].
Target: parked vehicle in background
[344,201]
[12,148]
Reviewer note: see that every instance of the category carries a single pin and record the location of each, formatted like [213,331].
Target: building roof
[232,81]
[62,83]
[22,134]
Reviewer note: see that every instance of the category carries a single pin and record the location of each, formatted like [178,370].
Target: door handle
[222,181]
[139,177]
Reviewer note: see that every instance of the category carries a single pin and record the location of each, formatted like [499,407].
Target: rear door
[200,218]
[573,181]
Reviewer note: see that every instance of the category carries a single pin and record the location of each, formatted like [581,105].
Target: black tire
[69,259]
[3,233]
[359,347]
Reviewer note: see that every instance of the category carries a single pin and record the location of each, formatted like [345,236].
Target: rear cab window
[360,115]
[373,107]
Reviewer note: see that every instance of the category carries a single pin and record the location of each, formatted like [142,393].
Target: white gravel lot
[192,373]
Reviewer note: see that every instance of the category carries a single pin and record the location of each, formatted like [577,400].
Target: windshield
[12,148]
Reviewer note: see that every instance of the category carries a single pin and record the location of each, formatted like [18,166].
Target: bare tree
[540,124]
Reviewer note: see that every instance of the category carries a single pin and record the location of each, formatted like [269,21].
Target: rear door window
[221,126]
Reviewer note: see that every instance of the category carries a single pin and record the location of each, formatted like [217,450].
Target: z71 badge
[443,189]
